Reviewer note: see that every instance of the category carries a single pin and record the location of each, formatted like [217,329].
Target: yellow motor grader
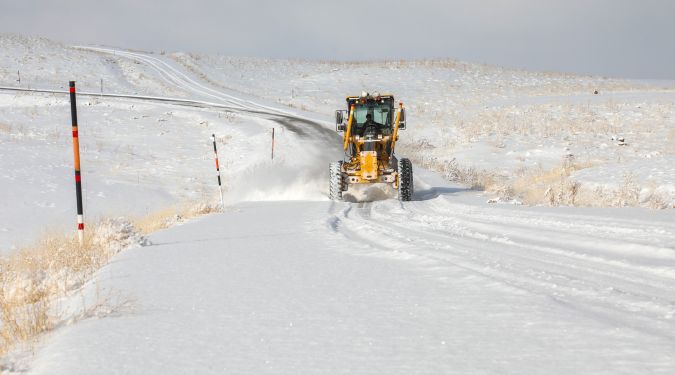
[371,125]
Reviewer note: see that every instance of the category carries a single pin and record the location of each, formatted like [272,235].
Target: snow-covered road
[175,77]
[442,285]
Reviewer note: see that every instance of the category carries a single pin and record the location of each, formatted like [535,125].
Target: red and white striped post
[220,187]
[272,143]
[76,153]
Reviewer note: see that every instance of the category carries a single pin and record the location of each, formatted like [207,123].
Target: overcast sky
[634,39]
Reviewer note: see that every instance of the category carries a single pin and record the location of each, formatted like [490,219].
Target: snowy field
[444,286]
[517,129]
[285,281]
[137,157]
[159,154]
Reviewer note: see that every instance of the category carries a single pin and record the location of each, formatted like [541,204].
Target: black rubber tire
[336,183]
[405,180]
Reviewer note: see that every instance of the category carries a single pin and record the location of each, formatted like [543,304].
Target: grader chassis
[371,125]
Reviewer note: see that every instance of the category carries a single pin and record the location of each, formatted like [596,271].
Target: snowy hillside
[138,157]
[515,133]
[541,138]
[42,63]
[286,281]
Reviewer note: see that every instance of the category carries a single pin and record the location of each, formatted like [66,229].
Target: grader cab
[371,124]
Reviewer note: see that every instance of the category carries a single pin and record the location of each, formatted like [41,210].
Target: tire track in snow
[637,296]
[172,76]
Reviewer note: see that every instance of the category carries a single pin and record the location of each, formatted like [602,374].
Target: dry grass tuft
[671,139]
[553,187]
[172,215]
[627,194]
[660,201]
[452,171]
[5,128]
[33,278]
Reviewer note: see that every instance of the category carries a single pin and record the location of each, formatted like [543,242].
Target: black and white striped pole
[76,153]
[220,187]
[272,143]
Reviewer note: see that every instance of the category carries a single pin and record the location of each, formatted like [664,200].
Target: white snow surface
[442,285]
[285,281]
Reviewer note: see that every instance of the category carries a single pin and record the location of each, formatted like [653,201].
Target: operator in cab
[370,126]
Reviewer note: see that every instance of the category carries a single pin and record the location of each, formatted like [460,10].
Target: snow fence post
[76,153]
[272,143]
[220,187]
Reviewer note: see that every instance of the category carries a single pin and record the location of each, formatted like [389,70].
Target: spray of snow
[274,181]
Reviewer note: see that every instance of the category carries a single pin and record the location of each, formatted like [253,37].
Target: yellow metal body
[349,127]
[394,135]
[373,165]
[368,161]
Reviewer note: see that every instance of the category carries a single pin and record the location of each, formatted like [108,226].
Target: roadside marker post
[76,153]
[272,143]
[220,187]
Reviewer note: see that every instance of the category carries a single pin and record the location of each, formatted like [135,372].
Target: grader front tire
[336,182]
[405,180]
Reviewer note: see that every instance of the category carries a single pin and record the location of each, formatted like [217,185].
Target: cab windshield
[381,113]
